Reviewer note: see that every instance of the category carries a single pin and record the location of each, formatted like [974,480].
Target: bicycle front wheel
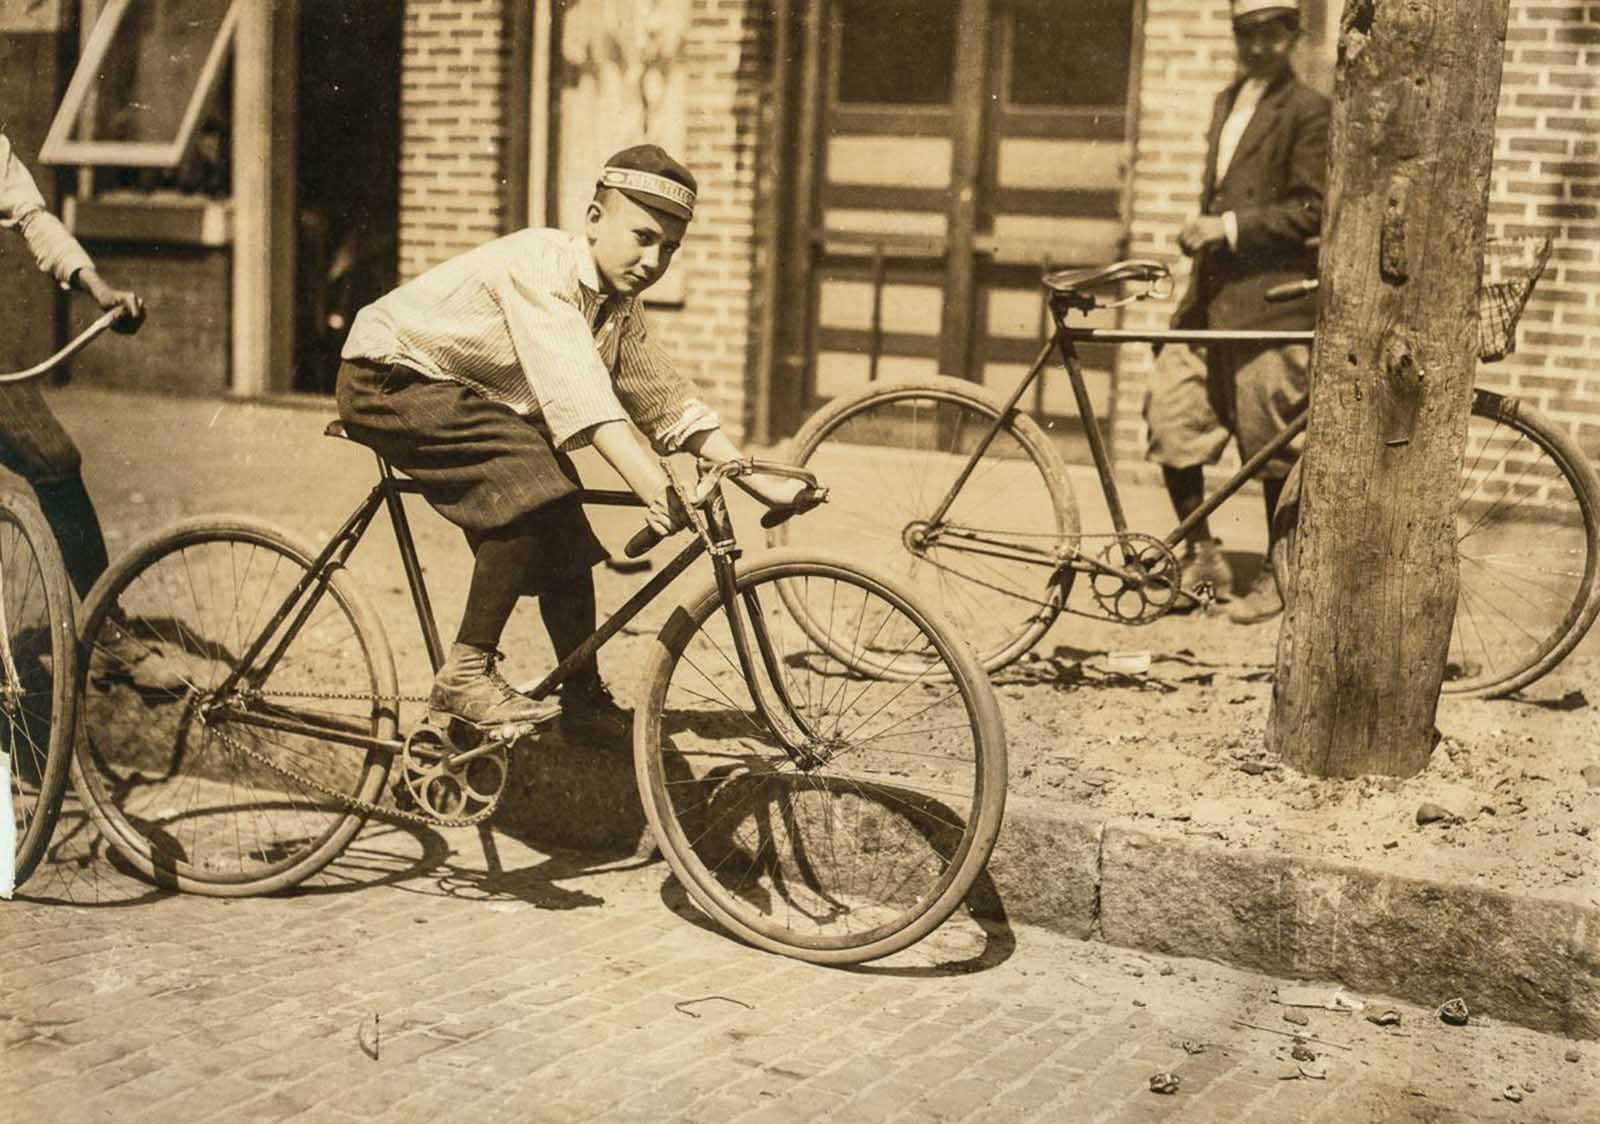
[209,791]
[853,822]
[891,455]
[1527,533]
[37,700]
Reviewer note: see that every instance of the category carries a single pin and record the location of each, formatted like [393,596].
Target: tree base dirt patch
[1511,794]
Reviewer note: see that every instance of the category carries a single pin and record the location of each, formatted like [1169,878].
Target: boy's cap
[651,178]
[1253,11]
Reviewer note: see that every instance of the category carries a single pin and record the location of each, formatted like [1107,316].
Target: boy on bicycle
[478,376]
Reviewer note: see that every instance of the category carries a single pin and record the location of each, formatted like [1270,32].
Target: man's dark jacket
[1274,185]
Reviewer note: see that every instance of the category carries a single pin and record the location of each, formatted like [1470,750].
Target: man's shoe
[589,713]
[470,688]
[1261,603]
[1206,573]
[144,663]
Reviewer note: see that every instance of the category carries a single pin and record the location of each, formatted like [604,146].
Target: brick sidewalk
[465,976]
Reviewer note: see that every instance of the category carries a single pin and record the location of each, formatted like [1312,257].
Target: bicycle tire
[1528,489]
[38,709]
[1019,493]
[850,860]
[165,782]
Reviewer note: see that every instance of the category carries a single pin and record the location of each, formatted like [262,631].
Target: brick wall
[452,176]
[453,80]
[1546,180]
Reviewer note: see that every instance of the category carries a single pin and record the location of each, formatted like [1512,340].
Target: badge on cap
[651,178]
[1245,8]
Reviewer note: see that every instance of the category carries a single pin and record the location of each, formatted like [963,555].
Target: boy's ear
[594,212]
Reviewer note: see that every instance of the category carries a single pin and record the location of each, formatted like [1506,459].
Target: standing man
[1261,199]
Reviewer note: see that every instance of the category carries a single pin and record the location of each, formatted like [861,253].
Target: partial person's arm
[54,249]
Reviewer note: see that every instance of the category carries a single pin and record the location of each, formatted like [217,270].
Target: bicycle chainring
[1137,578]
[445,788]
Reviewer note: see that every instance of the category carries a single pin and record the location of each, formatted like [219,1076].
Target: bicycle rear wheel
[37,700]
[188,792]
[890,455]
[1528,545]
[877,838]
[1527,548]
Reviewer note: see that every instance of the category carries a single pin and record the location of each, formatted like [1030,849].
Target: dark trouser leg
[35,447]
[502,564]
[71,515]
[1271,489]
[568,611]
[1186,487]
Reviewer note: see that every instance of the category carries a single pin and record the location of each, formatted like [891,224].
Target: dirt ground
[1183,748]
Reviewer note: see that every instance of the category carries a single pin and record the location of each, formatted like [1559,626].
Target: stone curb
[1515,957]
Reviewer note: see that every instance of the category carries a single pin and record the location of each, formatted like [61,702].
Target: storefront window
[143,92]
[1070,53]
[896,54]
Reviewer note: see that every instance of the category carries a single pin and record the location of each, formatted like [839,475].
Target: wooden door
[960,146]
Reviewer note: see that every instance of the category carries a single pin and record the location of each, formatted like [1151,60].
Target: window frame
[60,148]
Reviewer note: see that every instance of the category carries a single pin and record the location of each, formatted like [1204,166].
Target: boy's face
[632,245]
[1264,46]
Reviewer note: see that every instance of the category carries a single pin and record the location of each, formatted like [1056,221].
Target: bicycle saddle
[1069,281]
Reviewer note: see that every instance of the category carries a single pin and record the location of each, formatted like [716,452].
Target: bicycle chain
[354,803]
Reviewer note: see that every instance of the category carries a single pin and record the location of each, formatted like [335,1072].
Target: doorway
[963,146]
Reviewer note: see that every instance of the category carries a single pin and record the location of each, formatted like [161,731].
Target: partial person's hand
[665,513]
[108,298]
[774,491]
[1200,232]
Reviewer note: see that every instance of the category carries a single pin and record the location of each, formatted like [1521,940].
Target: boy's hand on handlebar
[665,514]
[774,491]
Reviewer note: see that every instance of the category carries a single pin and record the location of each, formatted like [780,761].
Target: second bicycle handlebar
[810,496]
[77,344]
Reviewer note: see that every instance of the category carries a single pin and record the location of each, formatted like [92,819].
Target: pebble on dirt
[1391,1017]
[1454,1012]
[1572,1054]
[1512,1093]
[1165,1082]
[1433,813]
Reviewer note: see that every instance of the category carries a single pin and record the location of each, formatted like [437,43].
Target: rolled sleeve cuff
[57,252]
[696,417]
[571,430]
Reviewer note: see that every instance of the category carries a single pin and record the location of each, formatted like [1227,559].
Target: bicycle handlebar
[1291,291]
[712,474]
[81,341]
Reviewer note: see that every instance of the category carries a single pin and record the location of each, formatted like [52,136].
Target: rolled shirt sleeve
[55,251]
[660,401]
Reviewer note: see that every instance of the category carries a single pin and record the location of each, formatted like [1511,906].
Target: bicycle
[964,497]
[37,663]
[808,809]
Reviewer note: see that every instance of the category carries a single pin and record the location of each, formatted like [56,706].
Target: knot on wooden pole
[1393,264]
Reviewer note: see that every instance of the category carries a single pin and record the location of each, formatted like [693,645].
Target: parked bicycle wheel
[37,701]
[1527,548]
[891,455]
[183,787]
[872,830]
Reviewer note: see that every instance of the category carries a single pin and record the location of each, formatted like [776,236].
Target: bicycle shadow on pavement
[1162,672]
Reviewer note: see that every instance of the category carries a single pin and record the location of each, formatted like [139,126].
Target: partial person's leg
[1184,436]
[1272,390]
[33,445]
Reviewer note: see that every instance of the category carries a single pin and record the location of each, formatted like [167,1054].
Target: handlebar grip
[1291,291]
[644,540]
[804,501]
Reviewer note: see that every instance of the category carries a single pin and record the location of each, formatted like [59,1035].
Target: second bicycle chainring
[1137,578]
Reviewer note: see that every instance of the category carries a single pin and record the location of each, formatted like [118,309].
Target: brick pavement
[466,976]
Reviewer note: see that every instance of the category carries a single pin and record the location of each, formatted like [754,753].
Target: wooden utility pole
[1362,650]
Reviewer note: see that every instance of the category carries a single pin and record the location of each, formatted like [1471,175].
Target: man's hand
[131,307]
[1200,232]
